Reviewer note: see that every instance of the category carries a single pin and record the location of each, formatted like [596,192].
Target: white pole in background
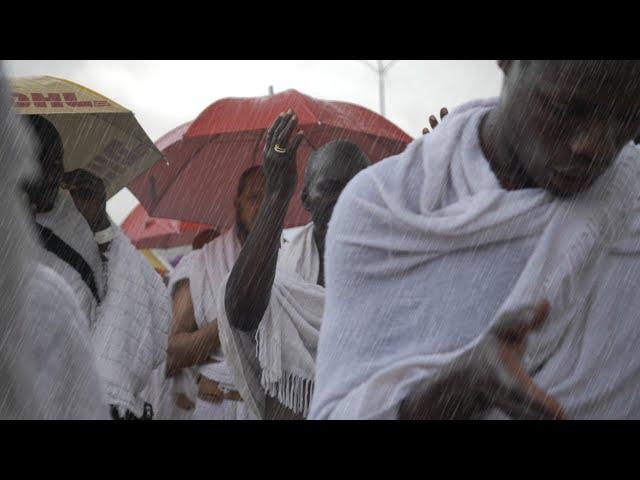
[380,70]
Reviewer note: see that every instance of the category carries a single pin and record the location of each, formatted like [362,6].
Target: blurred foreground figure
[194,339]
[47,367]
[271,304]
[125,304]
[492,269]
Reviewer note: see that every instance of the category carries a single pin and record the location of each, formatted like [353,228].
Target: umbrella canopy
[200,182]
[161,233]
[148,232]
[169,141]
[97,134]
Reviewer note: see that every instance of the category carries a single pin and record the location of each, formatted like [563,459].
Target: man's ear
[505,65]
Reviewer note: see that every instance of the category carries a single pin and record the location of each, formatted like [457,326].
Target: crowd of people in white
[489,271]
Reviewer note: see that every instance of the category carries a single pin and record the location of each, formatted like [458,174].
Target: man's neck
[100,225]
[39,210]
[502,158]
[319,239]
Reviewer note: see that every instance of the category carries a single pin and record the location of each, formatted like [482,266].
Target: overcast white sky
[167,93]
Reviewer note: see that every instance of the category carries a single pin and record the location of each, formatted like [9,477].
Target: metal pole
[381,72]
[270,89]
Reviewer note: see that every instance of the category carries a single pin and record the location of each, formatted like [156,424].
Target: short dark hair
[339,148]
[49,139]
[244,178]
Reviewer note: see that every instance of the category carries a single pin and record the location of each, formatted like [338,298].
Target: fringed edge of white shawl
[292,390]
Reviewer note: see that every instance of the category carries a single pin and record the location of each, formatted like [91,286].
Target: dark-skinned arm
[249,286]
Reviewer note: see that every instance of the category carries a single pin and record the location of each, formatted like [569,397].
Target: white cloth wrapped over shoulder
[278,358]
[411,232]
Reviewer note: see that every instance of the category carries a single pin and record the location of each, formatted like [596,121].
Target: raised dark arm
[249,286]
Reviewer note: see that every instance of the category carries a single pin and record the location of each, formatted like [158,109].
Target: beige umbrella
[98,134]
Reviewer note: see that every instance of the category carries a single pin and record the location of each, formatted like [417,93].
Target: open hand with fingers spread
[489,376]
[89,196]
[433,121]
[280,150]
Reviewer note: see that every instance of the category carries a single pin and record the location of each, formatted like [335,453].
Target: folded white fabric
[130,337]
[183,382]
[67,381]
[279,358]
[65,221]
[394,227]
[206,269]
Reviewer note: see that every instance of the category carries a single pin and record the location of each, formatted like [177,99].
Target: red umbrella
[148,232]
[228,137]
[168,140]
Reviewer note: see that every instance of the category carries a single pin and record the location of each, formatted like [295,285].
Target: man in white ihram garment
[270,306]
[47,367]
[492,269]
[174,397]
[124,301]
[194,346]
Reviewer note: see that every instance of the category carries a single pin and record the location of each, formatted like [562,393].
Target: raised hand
[490,376]
[433,121]
[90,197]
[280,151]
[250,282]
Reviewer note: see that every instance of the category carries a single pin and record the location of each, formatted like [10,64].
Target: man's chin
[47,205]
[567,187]
[43,204]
